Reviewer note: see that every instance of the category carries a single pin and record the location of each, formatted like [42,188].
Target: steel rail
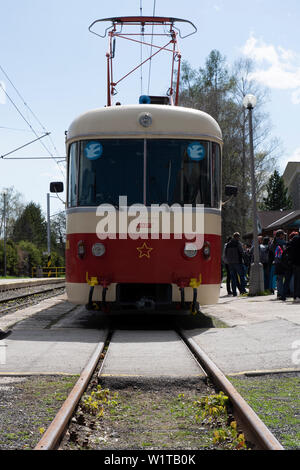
[29,284]
[53,434]
[30,294]
[244,414]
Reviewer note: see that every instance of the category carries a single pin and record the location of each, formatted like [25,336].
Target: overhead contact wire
[33,114]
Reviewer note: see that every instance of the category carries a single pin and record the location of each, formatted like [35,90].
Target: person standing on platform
[228,278]
[234,255]
[264,255]
[295,260]
[278,246]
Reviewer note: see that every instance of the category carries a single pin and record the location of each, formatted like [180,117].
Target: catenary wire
[33,114]
[27,105]
[30,126]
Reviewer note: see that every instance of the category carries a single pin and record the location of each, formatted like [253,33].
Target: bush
[22,257]
[28,257]
[11,258]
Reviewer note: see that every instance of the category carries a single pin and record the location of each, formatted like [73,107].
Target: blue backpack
[278,254]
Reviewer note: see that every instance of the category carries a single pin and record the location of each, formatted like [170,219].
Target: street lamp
[256,282]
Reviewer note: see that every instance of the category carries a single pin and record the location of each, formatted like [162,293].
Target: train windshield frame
[147,171]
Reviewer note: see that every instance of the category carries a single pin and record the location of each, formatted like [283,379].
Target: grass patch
[276,400]
[28,406]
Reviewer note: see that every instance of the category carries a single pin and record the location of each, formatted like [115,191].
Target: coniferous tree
[277,198]
[31,226]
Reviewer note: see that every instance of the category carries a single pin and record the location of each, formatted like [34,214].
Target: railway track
[14,296]
[253,428]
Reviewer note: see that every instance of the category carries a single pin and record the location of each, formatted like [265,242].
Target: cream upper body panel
[166,122]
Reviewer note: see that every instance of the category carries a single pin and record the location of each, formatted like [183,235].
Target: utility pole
[256,282]
[48,235]
[48,225]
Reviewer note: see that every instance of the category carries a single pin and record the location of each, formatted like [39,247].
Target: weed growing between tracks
[170,417]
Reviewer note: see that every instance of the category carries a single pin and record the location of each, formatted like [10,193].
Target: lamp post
[256,282]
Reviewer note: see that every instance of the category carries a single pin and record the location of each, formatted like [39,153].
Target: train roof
[165,122]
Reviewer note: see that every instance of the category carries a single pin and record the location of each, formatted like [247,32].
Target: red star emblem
[144,250]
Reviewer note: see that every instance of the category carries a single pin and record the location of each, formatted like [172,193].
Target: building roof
[273,220]
[267,218]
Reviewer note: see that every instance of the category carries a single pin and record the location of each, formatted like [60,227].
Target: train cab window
[109,169]
[178,171]
[166,171]
[73,169]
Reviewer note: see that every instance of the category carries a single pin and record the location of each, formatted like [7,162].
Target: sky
[59,69]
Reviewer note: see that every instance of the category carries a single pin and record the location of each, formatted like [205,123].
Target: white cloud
[293,157]
[276,67]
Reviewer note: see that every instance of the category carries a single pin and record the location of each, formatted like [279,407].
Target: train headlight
[98,249]
[145,119]
[206,250]
[190,250]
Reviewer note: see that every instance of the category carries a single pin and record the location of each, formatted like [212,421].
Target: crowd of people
[279,256]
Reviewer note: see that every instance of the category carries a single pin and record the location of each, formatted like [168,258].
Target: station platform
[254,335]
[261,334]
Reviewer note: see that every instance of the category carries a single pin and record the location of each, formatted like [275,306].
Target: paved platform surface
[39,345]
[263,334]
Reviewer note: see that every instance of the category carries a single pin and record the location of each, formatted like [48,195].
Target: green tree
[277,197]
[29,256]
[11,258]
[219,90]
[31,226]
[13,209]
[58,233]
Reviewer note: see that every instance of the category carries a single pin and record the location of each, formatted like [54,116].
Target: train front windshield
[154,171]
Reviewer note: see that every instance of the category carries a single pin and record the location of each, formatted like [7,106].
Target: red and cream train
[155,156]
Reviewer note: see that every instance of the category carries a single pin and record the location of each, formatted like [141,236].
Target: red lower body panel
[142,261]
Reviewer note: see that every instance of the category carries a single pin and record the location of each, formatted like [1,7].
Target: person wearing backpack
[278,247]
[234,256]
[264,257]
[295,260]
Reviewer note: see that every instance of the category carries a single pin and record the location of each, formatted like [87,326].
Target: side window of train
[73,172]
